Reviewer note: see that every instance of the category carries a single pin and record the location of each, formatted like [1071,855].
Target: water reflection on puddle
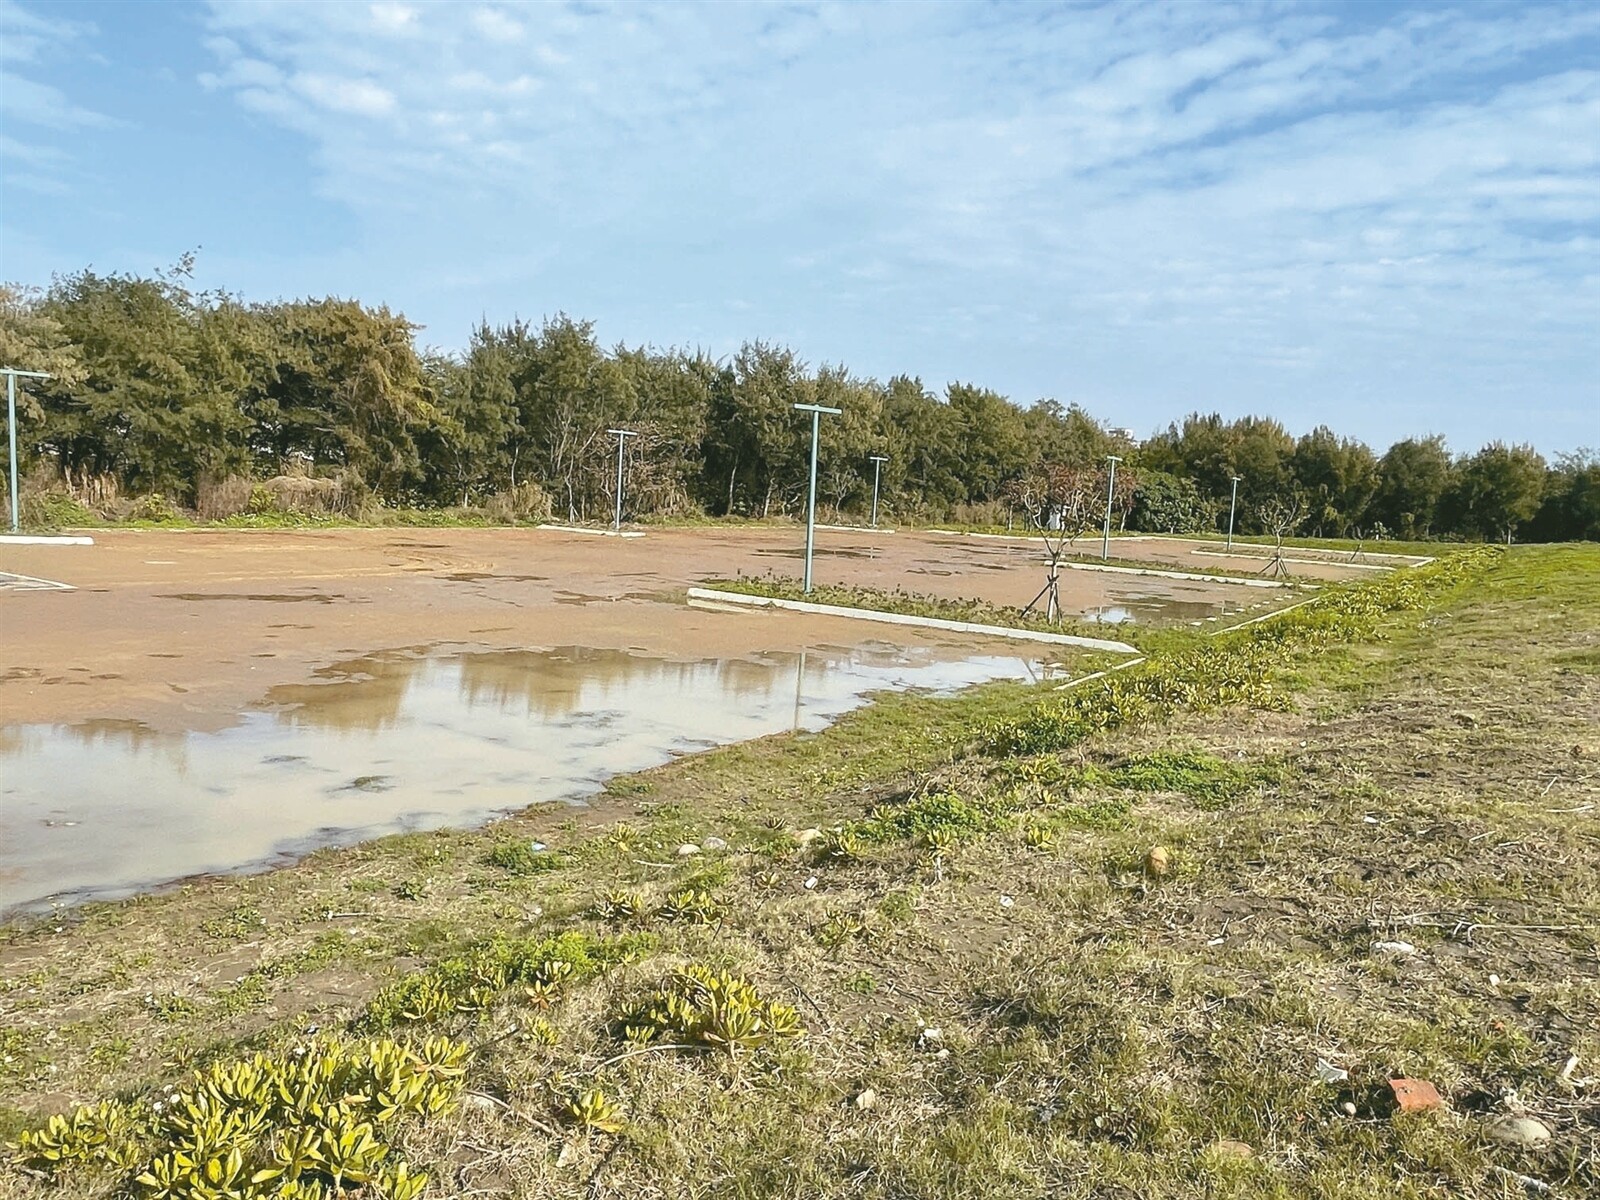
[1154,610]
[400,743]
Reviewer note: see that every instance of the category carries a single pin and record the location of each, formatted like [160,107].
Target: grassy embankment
[1003,991]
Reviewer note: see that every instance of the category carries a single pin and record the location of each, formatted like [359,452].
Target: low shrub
[700,1006]
[316,1122]
[54,510]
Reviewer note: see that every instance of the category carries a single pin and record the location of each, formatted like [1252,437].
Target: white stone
[1524,1132]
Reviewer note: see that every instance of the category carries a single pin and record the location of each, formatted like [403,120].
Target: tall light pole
[622,436]
[1111,488]
[816,411]
[877,469]
[11,374]
[1233,505]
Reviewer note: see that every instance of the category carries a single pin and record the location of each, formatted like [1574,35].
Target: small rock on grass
[1158,862]
[688,850]
[714,844]
[1395,949]
[1228,1148]
[1525,1133]
[866,1098]
[806,836]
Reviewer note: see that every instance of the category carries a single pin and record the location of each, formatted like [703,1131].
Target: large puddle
[397,743]
[1156,610]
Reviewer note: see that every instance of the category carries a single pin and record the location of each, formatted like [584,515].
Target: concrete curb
[627,533]
[1260,583]
[867,614]
[45,539]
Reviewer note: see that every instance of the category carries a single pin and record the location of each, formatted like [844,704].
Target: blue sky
[1381,217]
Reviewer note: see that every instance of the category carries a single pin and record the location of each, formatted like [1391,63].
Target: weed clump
[475,980]
[700,1006]
[523,858]
[315,1122]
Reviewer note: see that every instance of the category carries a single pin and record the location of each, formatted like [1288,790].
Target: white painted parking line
[27,583]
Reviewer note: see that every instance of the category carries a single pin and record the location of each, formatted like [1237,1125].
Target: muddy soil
[181,629]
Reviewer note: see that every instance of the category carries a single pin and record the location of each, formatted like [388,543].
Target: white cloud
[393,18]
[37,113]
[360,97]
[25,35]
[496,25]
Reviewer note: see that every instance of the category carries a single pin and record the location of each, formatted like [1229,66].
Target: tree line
[200,399]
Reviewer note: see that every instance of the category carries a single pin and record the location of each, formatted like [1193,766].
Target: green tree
[1164,503]
[156,404]
[1570,511]
[1211,451]
[1413,477]
[1498,489]
[992,440]
[1337,476]
[921,438]
[756,443]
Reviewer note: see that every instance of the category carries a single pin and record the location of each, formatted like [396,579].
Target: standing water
[403,742]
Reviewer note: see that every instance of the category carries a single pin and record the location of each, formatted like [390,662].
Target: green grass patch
[474,980]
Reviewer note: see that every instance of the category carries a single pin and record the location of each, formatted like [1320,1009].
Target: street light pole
[1233,504]
[622,436]
[11,374]
[877,469]
[1111,488]
[816,411]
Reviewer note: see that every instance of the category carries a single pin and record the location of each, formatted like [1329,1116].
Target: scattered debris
[810,883]
[1397,949]
[1416,1095]
[1527,1181]
[1330,1074]
[865,1099]
[806,836]
[1523,1132]
[1566,1072]
[1348,1108]
[714,844]
[1006,902]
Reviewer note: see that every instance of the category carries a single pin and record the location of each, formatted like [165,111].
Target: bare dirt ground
[179,629]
